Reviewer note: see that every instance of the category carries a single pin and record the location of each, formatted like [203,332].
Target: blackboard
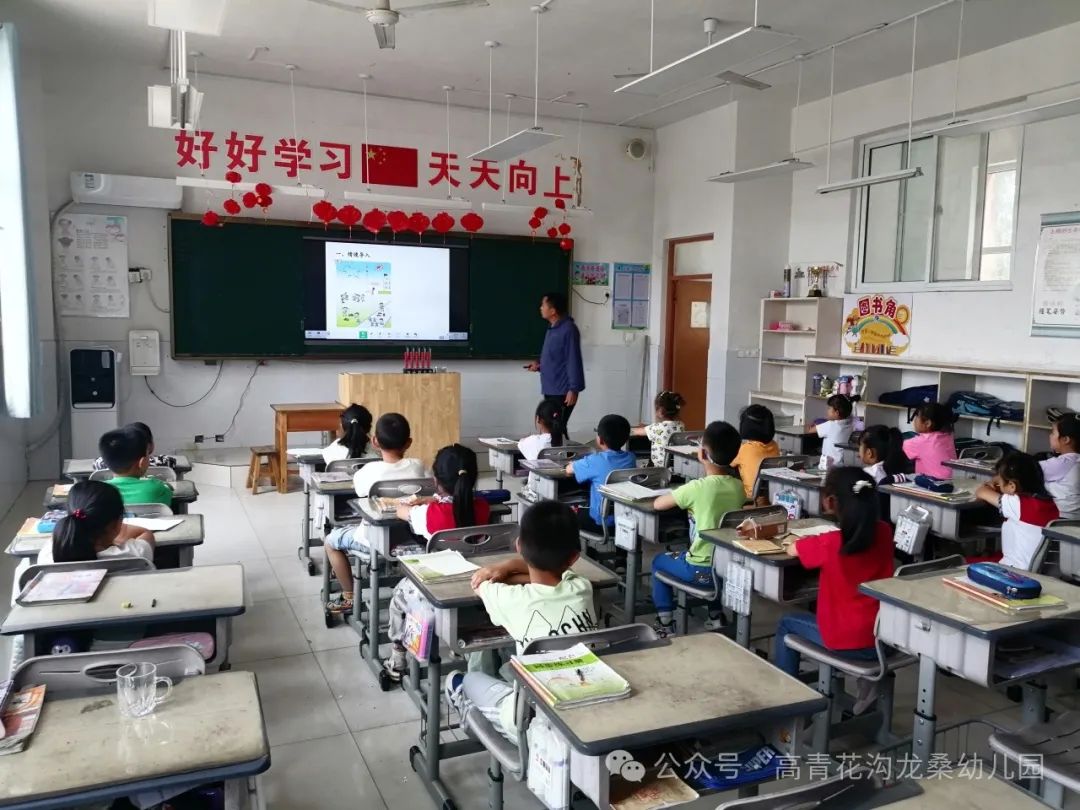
[236,290]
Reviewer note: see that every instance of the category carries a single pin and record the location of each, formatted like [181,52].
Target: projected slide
[365,300]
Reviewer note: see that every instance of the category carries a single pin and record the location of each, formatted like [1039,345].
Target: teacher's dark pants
[566,410]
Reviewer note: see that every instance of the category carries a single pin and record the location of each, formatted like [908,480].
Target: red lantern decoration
[419,222]
[534,223]
[264,201]
[442,222]
[560,203]
[398,221]
[540,212]
[567,245]
[249,199]
[349,215]
[375,220]
[564,229]
[263,189]
[231,207]
[552,232]
[325,211]
[233,176]
[472,222]
[211,219]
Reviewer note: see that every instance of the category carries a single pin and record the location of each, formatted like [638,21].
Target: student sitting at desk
[1019,491]
[881,450]
[1062,472]
[757,429]
[707,500]
[834,431]
[860,551]
[659,433]
[155,461]
[392,440]
[127,453]
[533,596]
[94,528]
[611,436]
[355,435]
[933,442]
[549,427]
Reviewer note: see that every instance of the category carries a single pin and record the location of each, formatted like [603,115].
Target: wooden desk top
[306,407]
[188,533]
[695,686]
[82,744]
[181,593]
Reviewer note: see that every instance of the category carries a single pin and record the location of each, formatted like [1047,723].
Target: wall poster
[878,323]
[90,265]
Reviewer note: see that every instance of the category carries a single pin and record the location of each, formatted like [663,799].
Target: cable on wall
[243,396]
[209,391]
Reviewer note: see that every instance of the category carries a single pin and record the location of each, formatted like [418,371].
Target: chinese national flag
[389,165]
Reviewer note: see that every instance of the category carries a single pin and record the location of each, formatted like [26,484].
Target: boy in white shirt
[392,440]
[532,596]
[834,431]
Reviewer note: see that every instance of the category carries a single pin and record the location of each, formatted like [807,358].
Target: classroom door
[690,302]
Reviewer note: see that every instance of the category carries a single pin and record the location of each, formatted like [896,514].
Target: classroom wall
[96,121]
[952,326]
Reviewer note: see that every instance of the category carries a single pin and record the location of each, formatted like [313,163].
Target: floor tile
[358,694]
[296,701]
[309,613]
[267,630]
[260,582]
[294,578]
[322,773]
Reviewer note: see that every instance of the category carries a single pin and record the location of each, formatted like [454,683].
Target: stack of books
[571,678]
[441,566]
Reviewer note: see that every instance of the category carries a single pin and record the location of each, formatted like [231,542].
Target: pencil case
[494,495]
[933,484]
[1004,581]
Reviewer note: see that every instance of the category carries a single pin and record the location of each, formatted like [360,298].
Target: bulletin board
[1055,305]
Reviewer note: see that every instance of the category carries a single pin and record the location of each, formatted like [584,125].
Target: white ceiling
[583,43]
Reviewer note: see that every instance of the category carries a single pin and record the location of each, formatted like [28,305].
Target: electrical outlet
[145,274]
[219,437]
[134,277]
[199,438]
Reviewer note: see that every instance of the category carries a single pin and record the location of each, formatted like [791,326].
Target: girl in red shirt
[454,503]
[860,551]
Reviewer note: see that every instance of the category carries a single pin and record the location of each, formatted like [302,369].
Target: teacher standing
[562,375]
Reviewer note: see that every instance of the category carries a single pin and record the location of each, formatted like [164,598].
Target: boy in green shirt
[126,452]
[707,500]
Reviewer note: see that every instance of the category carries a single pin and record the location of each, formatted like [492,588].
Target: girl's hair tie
[462,472]
[79,514]
[353,421]
[860,485]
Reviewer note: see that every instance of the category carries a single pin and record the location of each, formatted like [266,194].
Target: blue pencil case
[494,495]
[1003,580]
[934,484]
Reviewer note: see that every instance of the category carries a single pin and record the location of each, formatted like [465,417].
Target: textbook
[966,586]
[47,522]
[61,587]
[442,566]
[570,678]
[541,464]
[20,717]
[755,546]
[634,492]
[61,490]
[29,529]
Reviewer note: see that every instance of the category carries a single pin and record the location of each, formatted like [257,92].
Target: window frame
[927,283]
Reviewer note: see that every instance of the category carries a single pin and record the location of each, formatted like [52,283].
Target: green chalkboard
[237,291]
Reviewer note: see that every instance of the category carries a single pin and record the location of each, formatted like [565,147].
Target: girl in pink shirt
[933,443]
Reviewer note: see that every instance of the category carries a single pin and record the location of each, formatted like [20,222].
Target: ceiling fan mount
[383,18]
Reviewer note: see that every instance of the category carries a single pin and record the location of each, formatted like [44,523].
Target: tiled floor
[337,739]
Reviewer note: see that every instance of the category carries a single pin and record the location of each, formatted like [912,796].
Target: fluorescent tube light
[225,185]
[518,144]
[786,166]
[1046,112]
[515,208]
[870,180]
[444,203]
[731,77]
[749,43]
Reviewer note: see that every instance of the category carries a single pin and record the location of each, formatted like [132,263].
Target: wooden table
[300,417]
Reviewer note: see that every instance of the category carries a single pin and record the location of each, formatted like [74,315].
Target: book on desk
[634,492]
[569,678]
[541,464]
[966,586]
[440,566]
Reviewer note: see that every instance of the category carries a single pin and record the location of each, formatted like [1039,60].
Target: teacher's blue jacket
[560,360]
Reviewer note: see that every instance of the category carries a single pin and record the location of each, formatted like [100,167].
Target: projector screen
[378,292]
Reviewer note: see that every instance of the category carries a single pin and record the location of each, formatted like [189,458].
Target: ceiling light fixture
[176,105]
[302,190]
[526,140]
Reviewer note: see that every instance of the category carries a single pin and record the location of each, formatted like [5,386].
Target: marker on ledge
[153,603]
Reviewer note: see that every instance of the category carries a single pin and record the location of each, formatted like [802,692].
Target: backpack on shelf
[910,397]
[994,409]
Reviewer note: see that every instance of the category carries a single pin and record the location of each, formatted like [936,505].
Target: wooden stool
[264,462]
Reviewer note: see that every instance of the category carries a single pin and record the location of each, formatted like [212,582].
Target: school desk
[301,417]
[780,578]
[945,628]
[80,469]
[702,686]
[449,599]
[310,461]
[972,467]
[949,516]
[1068,538]
[184,493]
[208,594]
[83,752]
[554,484]
[808,489]
[652,527]
[795,441]
[685,461]
[174,548]
[503,457]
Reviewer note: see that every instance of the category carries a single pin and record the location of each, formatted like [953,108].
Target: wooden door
[689,307]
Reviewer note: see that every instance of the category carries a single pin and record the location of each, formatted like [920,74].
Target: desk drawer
[952,649]
[310,422]
[688,468]
[1069,559]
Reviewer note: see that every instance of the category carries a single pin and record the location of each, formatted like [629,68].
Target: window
[952,227]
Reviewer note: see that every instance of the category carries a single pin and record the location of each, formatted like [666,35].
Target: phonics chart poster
[90,264]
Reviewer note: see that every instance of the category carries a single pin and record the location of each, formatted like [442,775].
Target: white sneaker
[396,665]
[866,695]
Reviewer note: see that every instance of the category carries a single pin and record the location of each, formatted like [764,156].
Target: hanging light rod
[1031,115]
[447,203]
[786,166]
[870,180]
[313,192]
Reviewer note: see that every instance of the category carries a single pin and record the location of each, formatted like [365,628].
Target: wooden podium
[431,403]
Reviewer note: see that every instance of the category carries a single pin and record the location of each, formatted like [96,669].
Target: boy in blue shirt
[612,434]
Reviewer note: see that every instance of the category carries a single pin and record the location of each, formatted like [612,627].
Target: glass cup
[137,689]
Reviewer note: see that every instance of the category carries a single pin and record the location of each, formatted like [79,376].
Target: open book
[441,566]
[571,677]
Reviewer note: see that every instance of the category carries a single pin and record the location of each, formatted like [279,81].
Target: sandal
[340,605]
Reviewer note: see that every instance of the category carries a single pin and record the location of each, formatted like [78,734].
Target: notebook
[20,718]
[812,531]
[162,524]
[29,529]
[634,492]
[61,587]
[982,593]
[542,464]
[441,566]
[569,678]
[755,546]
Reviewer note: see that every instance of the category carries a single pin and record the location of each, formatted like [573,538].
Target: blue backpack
[973,403]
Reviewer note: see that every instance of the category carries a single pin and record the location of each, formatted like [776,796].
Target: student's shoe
[664,629]
[340,604]
[866,696]
[396,665]
[455,695]
[715,623]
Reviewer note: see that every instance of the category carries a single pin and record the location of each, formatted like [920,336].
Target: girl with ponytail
[355,441]
[549,430]
[455,504]
[94,527]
